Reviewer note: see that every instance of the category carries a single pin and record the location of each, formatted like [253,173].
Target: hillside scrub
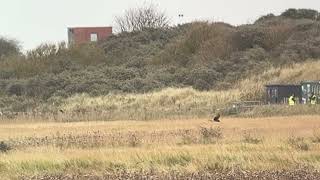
[169,102]
[8,47]
[203,55]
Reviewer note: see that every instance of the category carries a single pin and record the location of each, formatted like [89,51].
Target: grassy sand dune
[183,102]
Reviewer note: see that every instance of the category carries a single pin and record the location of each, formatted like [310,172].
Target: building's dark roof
[282,85]
[311,81]
[291,85]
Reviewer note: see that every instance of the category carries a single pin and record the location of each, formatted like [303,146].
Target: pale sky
[33,22]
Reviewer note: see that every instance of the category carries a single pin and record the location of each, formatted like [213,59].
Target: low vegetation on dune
[169,102]
[187,102]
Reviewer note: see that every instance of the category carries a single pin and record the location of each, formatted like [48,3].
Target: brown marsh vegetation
[189,146]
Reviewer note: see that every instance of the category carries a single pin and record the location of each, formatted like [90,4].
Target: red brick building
[79,35]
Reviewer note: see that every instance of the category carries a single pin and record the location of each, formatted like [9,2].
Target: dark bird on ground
[61,111]
[217,118]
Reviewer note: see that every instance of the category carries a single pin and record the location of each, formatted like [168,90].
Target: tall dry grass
[248,144]
[166,103]
[281,110]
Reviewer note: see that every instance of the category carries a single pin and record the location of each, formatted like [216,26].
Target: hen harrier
[217,118]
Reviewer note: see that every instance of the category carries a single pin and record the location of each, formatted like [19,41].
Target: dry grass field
[185,147]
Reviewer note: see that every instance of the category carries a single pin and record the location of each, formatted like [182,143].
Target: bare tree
[137,19]
[47,50]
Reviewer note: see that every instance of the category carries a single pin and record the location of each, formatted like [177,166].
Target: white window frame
[93,37]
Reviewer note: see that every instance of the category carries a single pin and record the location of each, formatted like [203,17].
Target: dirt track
[298,174]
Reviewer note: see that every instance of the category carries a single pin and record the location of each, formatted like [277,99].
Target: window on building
[274,93]
[93,37]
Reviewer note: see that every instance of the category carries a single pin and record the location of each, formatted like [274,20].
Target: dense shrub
[206,41]
[301,13]
[265,17]
[16,88]
[202,78]
[18,103]
[267,37]
[8,47]
[138,47]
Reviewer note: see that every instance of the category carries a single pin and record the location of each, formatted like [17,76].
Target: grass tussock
[299,143]
[4,147]
[210,135]
[316,135]
[251,138]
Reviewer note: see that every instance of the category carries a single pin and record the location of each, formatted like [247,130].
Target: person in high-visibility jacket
[291,100]
[313,99]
